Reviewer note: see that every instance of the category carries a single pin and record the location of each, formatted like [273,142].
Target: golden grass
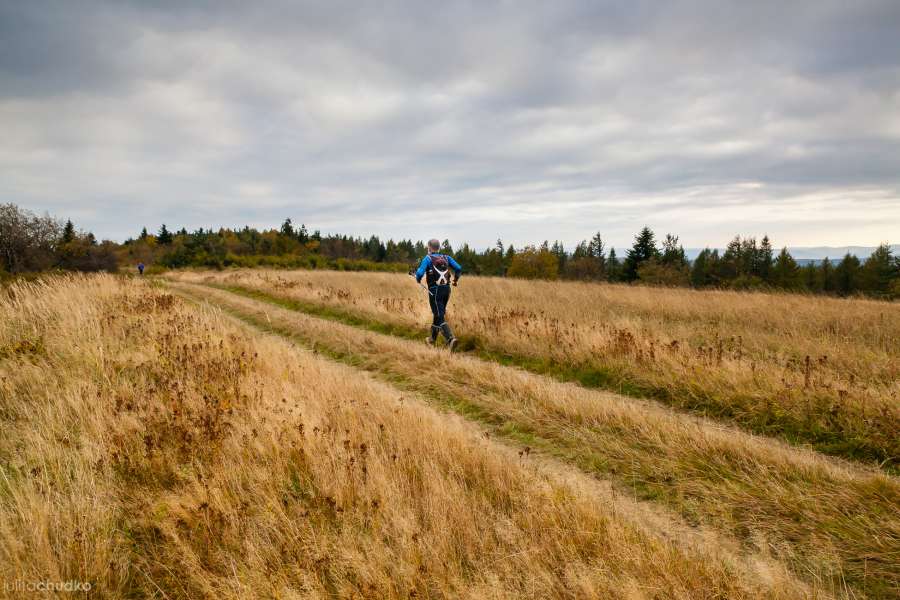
[805,368]
[154,448]
[829,520]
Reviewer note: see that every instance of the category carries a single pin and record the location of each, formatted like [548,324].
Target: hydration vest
[438,272]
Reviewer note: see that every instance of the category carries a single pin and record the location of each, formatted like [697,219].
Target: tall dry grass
[806,368]
[832,522]
[156,449]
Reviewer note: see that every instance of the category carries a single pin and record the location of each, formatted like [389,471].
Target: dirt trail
[828,520]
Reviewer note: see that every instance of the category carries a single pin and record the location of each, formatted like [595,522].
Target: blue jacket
[426,262]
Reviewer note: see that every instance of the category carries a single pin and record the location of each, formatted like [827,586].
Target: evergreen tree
[846,275]
[144,234]
[597,249]
[164,236]
[508,258]
[68,234]
[673,253]
[476,263]
[587,261]
[765,260]
[749,265]
[613,267]
[812,277]
[702,270]
[644,249]
[785,272]
[827,275]
[581,251]
[287,229]
[561,257]
[731,265]
[878,271]
[378,249]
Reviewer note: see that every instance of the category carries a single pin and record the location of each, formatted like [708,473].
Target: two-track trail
[812,371]
[834,524]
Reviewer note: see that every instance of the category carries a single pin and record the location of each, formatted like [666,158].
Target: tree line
[34,243]
[31,243]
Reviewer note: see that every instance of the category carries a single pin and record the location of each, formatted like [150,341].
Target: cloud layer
[463,120]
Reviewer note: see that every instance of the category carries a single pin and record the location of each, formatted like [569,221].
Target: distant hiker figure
[140,268]
[436,269]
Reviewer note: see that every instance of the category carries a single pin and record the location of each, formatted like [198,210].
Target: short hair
[434,244]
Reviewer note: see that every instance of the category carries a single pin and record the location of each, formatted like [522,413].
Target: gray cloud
[464,120]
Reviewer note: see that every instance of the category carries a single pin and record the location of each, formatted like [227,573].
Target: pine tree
[287,228]
[847,275]
[508,258]
[559,250]
[731,266]
[673,253]
[68,232]
[749,257]
[878,271]
[826,273]
[164,236]
[144,234]
[765,260]
[613,267]
[701,275]
[785,273]
[812,278]
[597,249]
[644,249]
[581,251]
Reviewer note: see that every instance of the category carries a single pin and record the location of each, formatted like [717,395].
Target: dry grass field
[807,369]
[249,435]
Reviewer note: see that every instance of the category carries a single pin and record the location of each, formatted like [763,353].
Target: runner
[436,267]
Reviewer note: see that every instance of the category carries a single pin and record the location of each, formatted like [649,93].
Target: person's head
[434,245]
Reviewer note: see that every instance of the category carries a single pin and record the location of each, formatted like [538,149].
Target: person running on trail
[436,267]
[140,268]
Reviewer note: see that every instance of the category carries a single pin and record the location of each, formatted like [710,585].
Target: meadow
[807,369]
[277,434]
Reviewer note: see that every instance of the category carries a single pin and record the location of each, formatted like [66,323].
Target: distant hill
[815,253]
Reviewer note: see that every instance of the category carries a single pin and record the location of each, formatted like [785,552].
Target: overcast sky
[468,121]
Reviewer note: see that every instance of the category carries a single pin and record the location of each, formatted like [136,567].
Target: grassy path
[845,428]
[831,522]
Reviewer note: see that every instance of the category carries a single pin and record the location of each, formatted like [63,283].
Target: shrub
[653,272]
[532,263]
